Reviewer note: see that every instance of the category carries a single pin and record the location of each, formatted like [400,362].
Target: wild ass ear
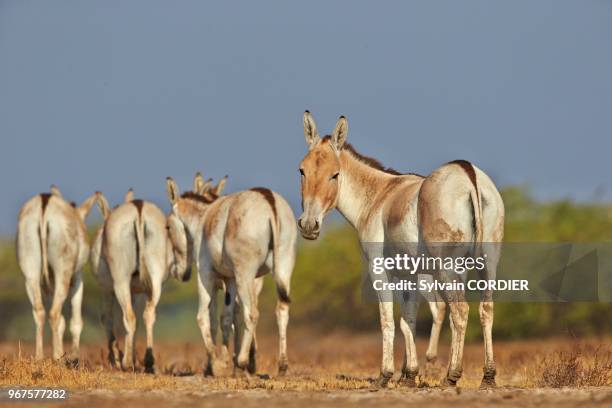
[206,186]
[310,130]
[55,191]
[340,132]
[218,189]
[198,183]
[129,196]
[172,189]
[84,208]
[103,204]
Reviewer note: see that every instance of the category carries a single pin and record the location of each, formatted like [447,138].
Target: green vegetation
[326,286]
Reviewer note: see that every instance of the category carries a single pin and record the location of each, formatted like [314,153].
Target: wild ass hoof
[149,361]
[127,365]
[282,369]
[488,378]
[252,364]
[408,378]
[72,362]
[383,379]
[208,370]
[452,377]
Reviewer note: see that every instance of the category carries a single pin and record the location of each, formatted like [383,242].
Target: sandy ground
[335,369]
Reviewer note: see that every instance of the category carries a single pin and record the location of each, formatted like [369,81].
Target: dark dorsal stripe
[138,204]
[370,161]
[204,199]
[469,169]
[267,194]
[44,197]
[73,204]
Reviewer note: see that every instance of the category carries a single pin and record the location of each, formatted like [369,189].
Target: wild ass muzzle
[457,203]
[239,238]
[135,252]
[52,249]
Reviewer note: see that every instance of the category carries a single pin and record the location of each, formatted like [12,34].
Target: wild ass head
[188,208]
[320,172]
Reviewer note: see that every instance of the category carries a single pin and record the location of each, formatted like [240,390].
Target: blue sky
[106,95]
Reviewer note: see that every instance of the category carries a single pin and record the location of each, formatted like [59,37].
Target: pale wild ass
[455,203]
[52,248]
[203,190]
[243,236]
[134,252]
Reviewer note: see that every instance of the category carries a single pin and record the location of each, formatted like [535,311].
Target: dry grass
[335,361]
[578,367]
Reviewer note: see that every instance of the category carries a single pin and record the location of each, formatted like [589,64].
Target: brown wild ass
[52,249]
[239,238]
[134,252]
[457,203]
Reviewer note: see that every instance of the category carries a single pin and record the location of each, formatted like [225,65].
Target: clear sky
[106,95]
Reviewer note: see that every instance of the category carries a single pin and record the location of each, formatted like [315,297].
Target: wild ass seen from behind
[52,249]
[457,203]
[242,236]
[135,251]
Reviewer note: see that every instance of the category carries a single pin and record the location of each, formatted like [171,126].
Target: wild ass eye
[335,176]
[302,172]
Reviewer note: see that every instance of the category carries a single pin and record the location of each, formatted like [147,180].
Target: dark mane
[204,199]
[370,161]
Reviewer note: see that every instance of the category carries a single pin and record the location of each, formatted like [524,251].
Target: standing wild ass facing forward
[52,249]
[135,251]
[457,203]
[244,236]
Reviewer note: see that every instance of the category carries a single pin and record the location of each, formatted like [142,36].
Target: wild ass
[457,203]
[134,252]
[239,238]
[52,248]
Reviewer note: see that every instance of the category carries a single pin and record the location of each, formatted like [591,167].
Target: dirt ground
[334,369]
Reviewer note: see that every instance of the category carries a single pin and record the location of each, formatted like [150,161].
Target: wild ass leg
[438,311]
[149,319]
[252,366]
[387,324]
[124,297]
[485,310]
[227,319]
[246,292]
[56,319]
[108,299]
[76,319]
[230,319]
[238,330]
[206,282]
[212,310]
[410,368]
[459,310]
[38,310]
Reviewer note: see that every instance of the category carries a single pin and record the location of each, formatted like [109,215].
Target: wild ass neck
[360,189]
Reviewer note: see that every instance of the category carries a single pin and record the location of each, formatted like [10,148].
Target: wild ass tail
[281,288]
[475,198]
[139,227]
[42,231]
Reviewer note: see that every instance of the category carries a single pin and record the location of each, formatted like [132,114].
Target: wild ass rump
[52,249]
[457,203]
[135,251]
[243,236]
